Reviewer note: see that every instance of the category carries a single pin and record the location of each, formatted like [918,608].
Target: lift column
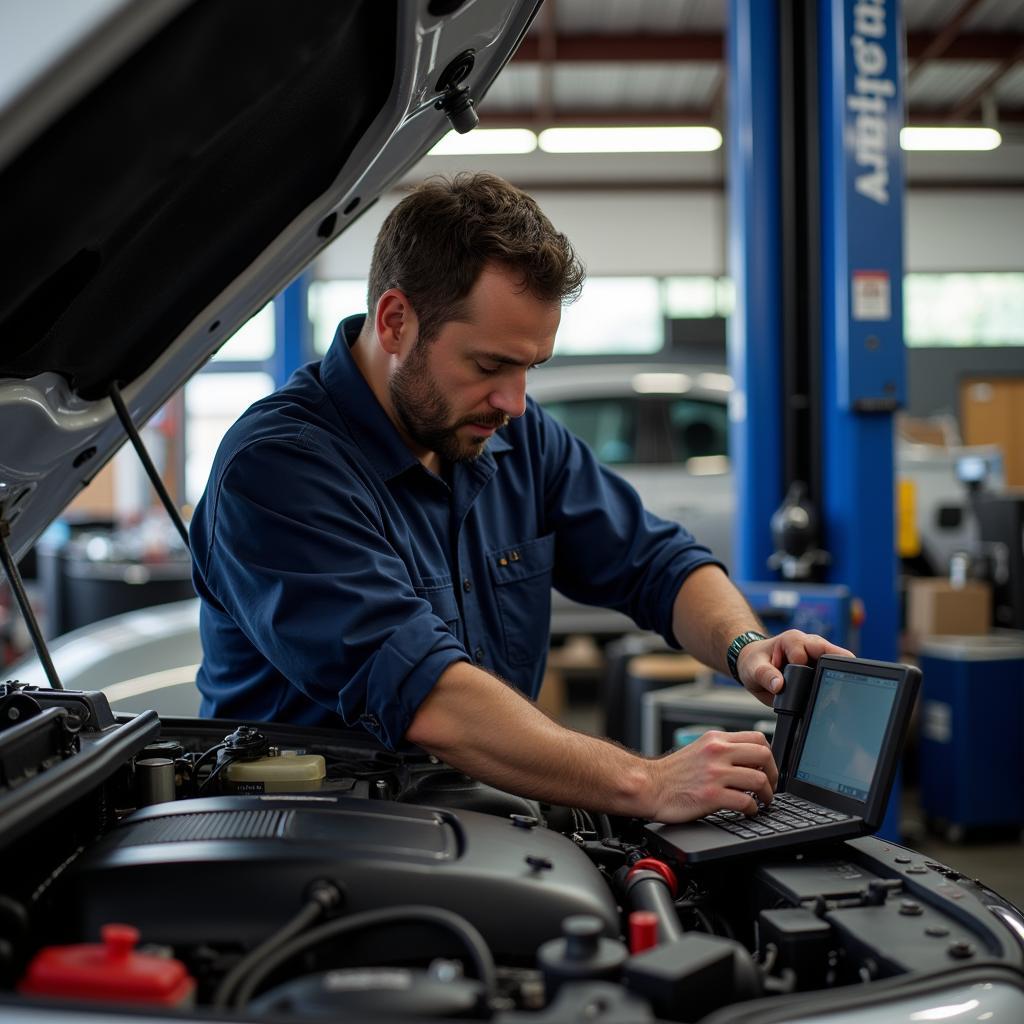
[860,78]
[754,343]
[815,345]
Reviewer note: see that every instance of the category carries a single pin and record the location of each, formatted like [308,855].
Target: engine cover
[232,870]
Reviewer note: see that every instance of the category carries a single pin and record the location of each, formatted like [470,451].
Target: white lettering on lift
[870,100]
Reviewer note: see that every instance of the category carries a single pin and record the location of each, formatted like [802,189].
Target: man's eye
[485,369]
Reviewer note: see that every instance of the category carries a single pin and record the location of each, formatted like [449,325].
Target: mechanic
[378,540]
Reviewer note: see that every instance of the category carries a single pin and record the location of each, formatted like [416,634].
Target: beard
[426,413]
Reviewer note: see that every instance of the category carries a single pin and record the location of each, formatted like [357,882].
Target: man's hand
[719,770]
[760,664]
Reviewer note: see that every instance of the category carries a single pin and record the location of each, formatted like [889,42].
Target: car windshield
[608,425]
[697,429]
[647,429]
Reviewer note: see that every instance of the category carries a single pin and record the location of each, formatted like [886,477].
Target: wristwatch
[733,653]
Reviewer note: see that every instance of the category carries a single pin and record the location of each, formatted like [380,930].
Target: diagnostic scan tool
[837,744]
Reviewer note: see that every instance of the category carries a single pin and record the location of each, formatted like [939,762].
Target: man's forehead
[504,320]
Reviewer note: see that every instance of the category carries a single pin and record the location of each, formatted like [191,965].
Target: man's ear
[395,322]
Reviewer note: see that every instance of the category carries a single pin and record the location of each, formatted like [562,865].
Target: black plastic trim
[41,797]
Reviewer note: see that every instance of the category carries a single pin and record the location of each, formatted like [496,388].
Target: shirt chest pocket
[440,593]
[521,574]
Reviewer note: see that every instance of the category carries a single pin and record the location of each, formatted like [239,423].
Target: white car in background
[664,427]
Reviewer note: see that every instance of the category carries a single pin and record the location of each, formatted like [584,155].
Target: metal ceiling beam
[640,49]
[574,49]
[624,116]
[968,46]
[528,118]
[944,115]
[945,38]
[972,99]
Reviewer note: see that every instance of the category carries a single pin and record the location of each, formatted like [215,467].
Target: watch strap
[733,653]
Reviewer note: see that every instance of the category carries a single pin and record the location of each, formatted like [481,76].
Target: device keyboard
[786,813]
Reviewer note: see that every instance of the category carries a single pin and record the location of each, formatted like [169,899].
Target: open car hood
[171,169]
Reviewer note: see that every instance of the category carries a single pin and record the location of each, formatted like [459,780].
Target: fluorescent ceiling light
[714,381]
[678,139]
[949,139]
[483,141]
[661,383]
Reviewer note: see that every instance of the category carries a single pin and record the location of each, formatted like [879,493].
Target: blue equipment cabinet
[825,609]
[972,731]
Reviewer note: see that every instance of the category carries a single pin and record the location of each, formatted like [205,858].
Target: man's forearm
[487,729]
[709,613]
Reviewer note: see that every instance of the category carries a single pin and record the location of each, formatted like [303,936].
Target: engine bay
[278,872]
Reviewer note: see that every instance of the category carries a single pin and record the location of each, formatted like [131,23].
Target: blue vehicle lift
[816,342]
[292,333]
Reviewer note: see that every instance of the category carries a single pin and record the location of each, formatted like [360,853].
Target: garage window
[964,310]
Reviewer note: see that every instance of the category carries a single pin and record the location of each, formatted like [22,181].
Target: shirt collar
[366,419]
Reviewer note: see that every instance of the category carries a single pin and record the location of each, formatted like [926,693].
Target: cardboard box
[936,608]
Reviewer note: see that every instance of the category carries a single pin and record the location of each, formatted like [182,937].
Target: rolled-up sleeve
[611,551]
[297,554]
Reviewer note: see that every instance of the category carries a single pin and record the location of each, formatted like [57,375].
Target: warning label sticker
[871,295]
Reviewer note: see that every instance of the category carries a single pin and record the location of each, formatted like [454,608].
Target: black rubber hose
[474,942]
[647,890]
[299,923]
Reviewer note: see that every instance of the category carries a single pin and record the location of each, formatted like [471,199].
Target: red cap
[111,972]
[643,930]
[659,867]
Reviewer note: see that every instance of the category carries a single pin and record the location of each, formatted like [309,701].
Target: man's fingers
[749,780]
[736,800]
[759,759]
[798,648]
[816,646]
[749,751]
[749,736]
[768,680]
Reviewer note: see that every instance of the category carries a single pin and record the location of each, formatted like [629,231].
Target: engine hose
[479,952]
[647,890]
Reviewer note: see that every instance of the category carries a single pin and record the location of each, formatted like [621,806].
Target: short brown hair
[434,244]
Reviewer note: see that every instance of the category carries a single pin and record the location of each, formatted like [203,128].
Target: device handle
[789,706]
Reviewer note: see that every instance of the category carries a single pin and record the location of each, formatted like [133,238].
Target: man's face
[452,393]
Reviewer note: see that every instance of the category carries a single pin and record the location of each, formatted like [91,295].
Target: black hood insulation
[144,201]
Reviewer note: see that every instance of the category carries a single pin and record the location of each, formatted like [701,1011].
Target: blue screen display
[845,733]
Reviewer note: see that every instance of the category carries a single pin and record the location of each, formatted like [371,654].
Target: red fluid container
[111,972]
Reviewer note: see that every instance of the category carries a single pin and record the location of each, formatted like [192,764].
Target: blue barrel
[972,730]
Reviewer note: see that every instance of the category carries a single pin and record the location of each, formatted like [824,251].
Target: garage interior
[658,233]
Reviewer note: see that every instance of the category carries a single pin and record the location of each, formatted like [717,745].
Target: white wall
[960,230]
[661,232]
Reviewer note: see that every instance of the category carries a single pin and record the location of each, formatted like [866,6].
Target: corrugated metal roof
[638,86]
[622,85]
[1010,91]
[942,84]
[619,17]
[990,16]
[516,88]
[609,86]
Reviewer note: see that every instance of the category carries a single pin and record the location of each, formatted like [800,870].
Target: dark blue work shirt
[339,577]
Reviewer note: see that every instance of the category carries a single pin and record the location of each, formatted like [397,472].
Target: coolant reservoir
[286,772]
[110,972]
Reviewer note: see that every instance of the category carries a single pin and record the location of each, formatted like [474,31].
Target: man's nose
[510,398]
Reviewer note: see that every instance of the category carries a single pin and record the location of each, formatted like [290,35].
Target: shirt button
[467,585]
[478,655]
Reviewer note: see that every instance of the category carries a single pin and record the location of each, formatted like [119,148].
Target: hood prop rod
[147,463]
[18,589]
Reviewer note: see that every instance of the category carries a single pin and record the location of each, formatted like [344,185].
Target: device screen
[845,733]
